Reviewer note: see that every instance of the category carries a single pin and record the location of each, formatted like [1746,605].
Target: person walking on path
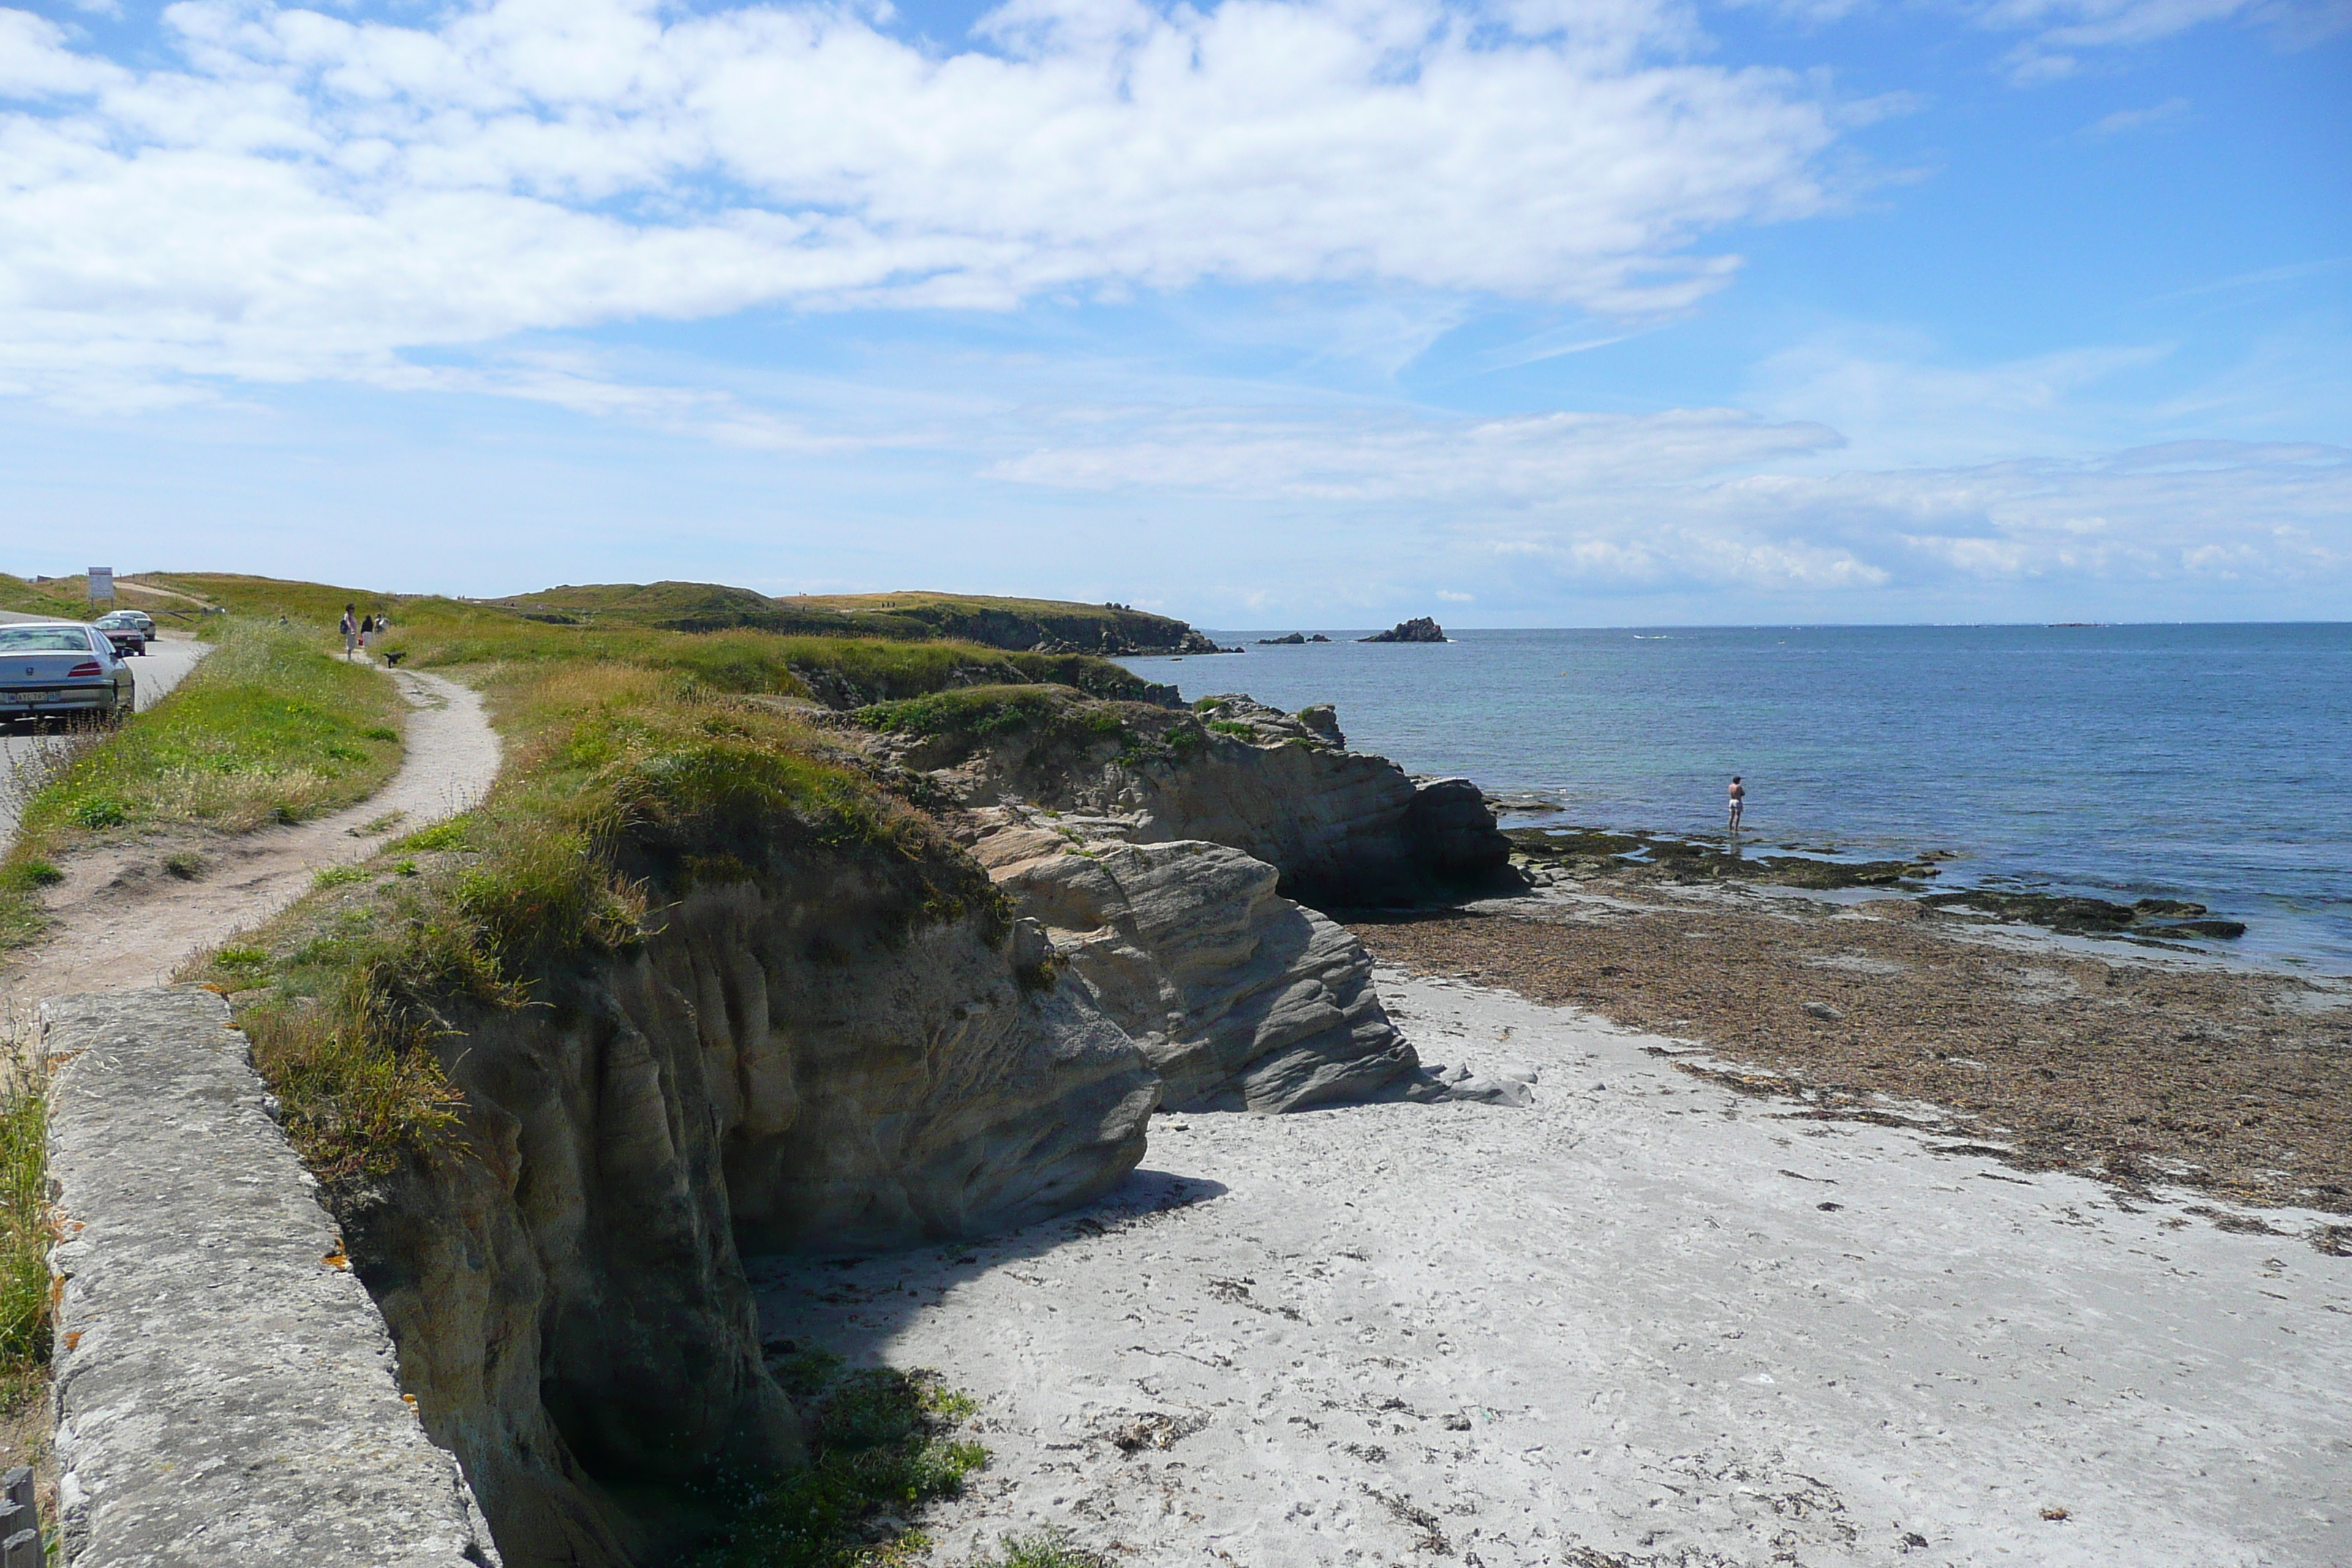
[350,630]
[1738,799]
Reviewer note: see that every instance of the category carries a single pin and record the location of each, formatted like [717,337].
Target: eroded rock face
[1239,998]
[1339,827]
[792,1062]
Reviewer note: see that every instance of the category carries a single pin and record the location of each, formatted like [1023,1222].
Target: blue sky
[1525,312]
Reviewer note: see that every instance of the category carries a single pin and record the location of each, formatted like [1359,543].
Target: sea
[2206,762]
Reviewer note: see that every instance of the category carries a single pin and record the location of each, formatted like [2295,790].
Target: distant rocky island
[1295,639]
[1419,629]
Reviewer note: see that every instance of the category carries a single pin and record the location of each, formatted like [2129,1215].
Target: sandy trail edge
[1643,1321]
[123,922]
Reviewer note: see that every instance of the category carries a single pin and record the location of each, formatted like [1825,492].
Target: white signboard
[101,585]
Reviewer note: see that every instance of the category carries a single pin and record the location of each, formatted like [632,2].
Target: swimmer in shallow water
[1738,799]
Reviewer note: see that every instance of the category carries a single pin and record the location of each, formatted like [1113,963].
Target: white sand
[1620,1326]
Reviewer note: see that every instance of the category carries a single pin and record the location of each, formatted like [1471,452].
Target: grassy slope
[316,604]
[270,728]
[702,607]
[843,670]
[971,615]
[65,598]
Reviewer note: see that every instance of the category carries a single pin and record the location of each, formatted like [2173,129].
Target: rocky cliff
[806,1054]
[1239,998]
[1341,827]
[825,1040]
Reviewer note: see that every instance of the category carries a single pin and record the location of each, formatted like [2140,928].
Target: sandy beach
[1646,1319]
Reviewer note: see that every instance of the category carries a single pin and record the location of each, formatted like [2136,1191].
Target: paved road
[159,669]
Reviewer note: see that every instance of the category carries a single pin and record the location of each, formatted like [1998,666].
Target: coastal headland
[856,1083]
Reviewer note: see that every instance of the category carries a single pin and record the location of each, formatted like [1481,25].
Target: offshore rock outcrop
[1239,998]
[1421,628]
[799,1059]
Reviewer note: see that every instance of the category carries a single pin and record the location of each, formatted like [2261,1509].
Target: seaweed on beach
[1654,857]
[2234,1084]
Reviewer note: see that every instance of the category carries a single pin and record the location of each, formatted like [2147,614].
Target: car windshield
[116,619]
[42,639]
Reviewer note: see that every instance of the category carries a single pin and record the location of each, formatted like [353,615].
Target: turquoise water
[2211,762]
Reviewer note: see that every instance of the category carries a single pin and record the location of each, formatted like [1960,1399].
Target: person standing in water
[1738,799]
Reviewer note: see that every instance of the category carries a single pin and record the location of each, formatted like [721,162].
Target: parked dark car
[62,666]
[129,630]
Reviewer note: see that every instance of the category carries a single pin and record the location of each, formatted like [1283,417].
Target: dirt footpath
[124,920]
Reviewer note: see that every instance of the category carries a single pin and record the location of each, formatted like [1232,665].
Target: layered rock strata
[1339,827]
[1239,998]
[799,1059]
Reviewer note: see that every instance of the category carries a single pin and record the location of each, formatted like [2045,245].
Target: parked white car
[129,630]
[62,666]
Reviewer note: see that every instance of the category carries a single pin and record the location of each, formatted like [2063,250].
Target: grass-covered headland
[641,764]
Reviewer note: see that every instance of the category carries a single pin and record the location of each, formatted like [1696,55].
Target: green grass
[1045,1549]
[626,789]
[624,623]
[702,607]
[1004,622]
[882,1445]
[314,604]
[25,1232]
[67,598]
[976,713]
[270,728]
[1048,718]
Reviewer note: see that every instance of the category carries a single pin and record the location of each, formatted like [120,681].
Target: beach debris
[1152,1429]
[1824,1012]
[1669,857]
[1433,1537]
[2054,1514]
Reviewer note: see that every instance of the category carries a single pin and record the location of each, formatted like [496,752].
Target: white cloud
[2123,119]
[304,195]
[1535,459]
[1886,391]
[1703,501]
[2063,29]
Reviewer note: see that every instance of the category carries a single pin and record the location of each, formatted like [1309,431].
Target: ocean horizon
[2199,761]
